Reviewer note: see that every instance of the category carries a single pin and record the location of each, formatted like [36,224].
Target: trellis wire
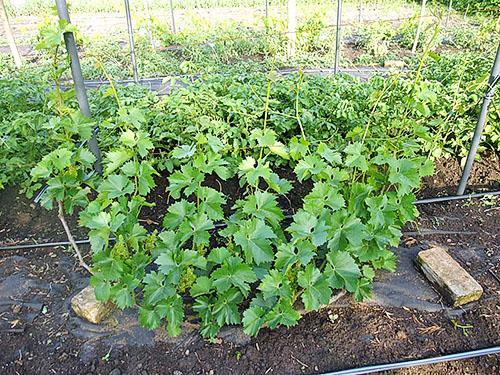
[131,41]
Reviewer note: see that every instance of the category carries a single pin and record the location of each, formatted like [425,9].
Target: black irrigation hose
[419,362]
[221,225]
[456,197]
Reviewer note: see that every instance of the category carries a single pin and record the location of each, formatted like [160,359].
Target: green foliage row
[358,151]
[475,6]
[256,270]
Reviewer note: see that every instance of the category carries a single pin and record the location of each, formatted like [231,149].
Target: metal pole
[448,13]
[419,27]
[267,9]
[76,72]
[131,41]
[172,16]
[337,39]
[488,96]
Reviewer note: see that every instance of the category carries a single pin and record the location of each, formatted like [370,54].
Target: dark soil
[37,333]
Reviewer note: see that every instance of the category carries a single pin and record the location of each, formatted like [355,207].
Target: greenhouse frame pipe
[488,96]
[419,362]
[337,37]
[131,41]
[221,225]
[76,72]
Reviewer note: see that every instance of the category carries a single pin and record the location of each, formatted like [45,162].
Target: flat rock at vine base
[85,305]
[452,281]
[394,64]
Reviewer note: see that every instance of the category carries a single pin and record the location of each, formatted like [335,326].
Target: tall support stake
[131,41]
[267,9]
[337,37]
[172,16]
[148,23]
[292,27]
[76,72]
[419,26]
[488,96]
[9,35]
[450,4]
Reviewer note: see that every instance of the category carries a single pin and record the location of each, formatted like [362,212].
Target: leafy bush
[475,6]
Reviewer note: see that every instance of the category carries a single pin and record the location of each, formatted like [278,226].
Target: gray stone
[453,282]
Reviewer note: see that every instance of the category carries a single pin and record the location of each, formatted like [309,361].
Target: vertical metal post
[172,16]
[488,96]
[337,39]
[419,26]
[76,72]
[131,41]
[267,9]
[448,13]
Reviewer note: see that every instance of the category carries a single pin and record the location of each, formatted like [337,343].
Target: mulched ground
[39,334]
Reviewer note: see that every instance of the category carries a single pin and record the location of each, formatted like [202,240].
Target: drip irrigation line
[419,362]
[286,217]
[456,197]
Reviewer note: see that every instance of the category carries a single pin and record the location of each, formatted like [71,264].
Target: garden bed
[395,325]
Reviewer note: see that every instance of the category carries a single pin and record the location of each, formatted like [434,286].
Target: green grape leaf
[225,308]
[254,238]
[316,290]
[116,159]
[355,157]
[275,284]
[289,254]
[177,213]
[263,205]
[253,319]
[116,186]
[283,313]
[148,318]
[233,273]
[345,271]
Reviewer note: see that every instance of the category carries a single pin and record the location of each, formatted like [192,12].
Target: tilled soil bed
[406,318]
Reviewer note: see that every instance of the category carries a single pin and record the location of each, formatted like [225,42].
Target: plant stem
[301,77]
[61,217]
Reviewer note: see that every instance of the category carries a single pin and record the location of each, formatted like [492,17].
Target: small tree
[9,35]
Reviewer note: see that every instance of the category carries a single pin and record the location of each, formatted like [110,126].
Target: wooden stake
[419,26]
[71,239]
[9,35]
